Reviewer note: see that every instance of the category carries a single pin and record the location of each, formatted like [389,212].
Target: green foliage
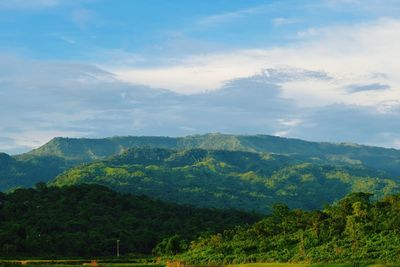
[227,179]
[170,246]
[60,154]
[86,150]
[352,230]
[87,220]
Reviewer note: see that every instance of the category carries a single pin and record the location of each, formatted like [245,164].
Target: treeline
[87,220]
[352,230]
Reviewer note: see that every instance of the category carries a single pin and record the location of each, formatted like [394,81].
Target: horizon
[319,71]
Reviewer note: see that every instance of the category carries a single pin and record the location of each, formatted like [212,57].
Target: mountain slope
[86,150]
[58,155]
[228,179]
[18,172]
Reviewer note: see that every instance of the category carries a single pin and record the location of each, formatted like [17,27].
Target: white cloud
[289,122]
[284,21]
[333,84]
[40,100]
[215,20]
[349,54]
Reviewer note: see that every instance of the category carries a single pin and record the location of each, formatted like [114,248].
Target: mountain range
[247,172]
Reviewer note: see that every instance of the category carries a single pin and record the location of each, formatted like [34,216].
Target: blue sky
[295,68]
[76,30]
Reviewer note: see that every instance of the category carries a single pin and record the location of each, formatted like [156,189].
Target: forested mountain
[85,150]
[228,179]
[354,230]
[48,161]
[87,220]
[24,172]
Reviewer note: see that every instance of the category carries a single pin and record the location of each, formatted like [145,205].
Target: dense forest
[60,154]
[87,220]
[228,179]
[351,230]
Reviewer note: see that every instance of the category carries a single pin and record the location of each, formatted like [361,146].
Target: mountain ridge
[61,154]
[88,149]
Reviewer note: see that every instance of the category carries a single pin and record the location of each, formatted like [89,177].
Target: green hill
[85,150]
[355,231]
[60,154]
[228,179]
[87,220]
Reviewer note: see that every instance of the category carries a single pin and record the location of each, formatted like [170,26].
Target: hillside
[85,150]
[228,179]
[354,230]
[60,154]
[18,172]
[87,220]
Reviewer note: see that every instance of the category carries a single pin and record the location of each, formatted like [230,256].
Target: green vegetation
[87,220]
[85,150]
[354,230]
[228,179]
[78,214]
[310,265]
[28,170]
[60,154]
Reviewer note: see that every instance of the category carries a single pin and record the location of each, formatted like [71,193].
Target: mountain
[60,154]
[86,150]
[86,221]
[228,179]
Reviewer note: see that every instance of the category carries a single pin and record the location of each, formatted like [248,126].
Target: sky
[317,70]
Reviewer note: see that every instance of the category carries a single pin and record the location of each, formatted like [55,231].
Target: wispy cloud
[66,39]
[284,21]
[23,4]
[355,88]
[38,4]
[82,17]
[215,20]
